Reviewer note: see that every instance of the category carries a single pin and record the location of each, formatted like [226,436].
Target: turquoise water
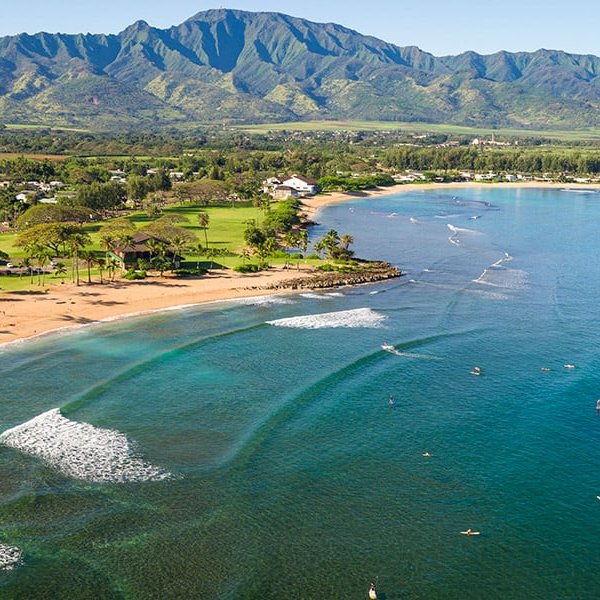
[246,449]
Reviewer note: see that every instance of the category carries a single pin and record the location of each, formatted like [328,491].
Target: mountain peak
[266,66]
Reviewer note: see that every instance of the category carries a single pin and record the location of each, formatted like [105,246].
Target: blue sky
[438,26]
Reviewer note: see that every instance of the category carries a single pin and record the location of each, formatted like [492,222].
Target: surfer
[545,369]
[598,406]
[426,454]
[372,592]
[476,371]
[391,402]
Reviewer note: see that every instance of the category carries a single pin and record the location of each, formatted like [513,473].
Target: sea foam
[80,450]
[358,317]
[10,556]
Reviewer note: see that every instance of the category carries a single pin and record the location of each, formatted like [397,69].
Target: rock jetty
[368,272]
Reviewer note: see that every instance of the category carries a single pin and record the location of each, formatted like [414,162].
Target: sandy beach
[57,306]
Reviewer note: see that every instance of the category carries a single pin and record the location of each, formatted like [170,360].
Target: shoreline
[63,306]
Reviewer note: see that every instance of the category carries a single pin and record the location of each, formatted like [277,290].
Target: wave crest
[10,556]
[358,317]
[80,450]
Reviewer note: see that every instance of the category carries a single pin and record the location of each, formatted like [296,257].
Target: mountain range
[235,66]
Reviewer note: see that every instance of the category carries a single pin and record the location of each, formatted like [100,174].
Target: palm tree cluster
[334,246]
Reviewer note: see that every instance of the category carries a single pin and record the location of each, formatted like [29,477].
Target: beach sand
[56,306]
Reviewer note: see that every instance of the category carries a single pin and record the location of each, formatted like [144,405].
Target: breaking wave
[358,317]
[457,231]
[80,450]
[10,556]
[499,276]
[263,300]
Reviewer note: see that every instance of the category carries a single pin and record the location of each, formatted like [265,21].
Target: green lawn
[225,230]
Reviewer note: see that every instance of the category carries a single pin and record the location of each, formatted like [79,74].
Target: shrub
[187,272]
[132,275]
[249,268]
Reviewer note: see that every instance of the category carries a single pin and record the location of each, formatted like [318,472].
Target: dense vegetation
[234,66]
[203,202]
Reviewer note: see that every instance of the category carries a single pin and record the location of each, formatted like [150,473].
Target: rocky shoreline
[370,272]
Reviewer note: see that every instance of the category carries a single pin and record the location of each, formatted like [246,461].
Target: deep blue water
[246,449]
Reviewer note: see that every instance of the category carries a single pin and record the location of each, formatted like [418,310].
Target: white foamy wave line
[506,258]
[262,300]
[80,450]
[572,191]
[10,557]
[315,296]
[358,317]
[456,231]
[501,277]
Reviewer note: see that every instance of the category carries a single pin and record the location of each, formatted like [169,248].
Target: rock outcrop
[369,272]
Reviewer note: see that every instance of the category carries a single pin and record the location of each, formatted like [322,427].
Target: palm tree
[60,269]
[42,255]
[90,258]
[178,244]
[101,262]
[112,265]
[153,246]
[108,241]
[203,220]
[76,242]
[26,264]
[302,244]
[346,240]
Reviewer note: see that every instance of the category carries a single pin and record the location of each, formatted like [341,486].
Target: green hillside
[243,67]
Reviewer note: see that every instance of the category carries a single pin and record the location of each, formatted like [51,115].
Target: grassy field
[225,231]
[421,129]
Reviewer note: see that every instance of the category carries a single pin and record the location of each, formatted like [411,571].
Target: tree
[60,269]
[90,258]
[76,242]
[203,220]
[101,262]
[52,236]
[178,244]
[161,263]
[346,240]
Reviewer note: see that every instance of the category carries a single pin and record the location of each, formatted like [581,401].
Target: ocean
[247,449]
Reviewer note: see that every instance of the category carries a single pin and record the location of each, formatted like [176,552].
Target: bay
[246,448]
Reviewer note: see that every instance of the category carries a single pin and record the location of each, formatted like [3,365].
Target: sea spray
[10,556]
[359,317]
[80,450]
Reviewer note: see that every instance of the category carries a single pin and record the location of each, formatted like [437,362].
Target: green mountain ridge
[258,67]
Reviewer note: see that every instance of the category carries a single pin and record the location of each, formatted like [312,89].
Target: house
[304,185]
[296,186]
[281,192]
[138,248]
[270,184]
